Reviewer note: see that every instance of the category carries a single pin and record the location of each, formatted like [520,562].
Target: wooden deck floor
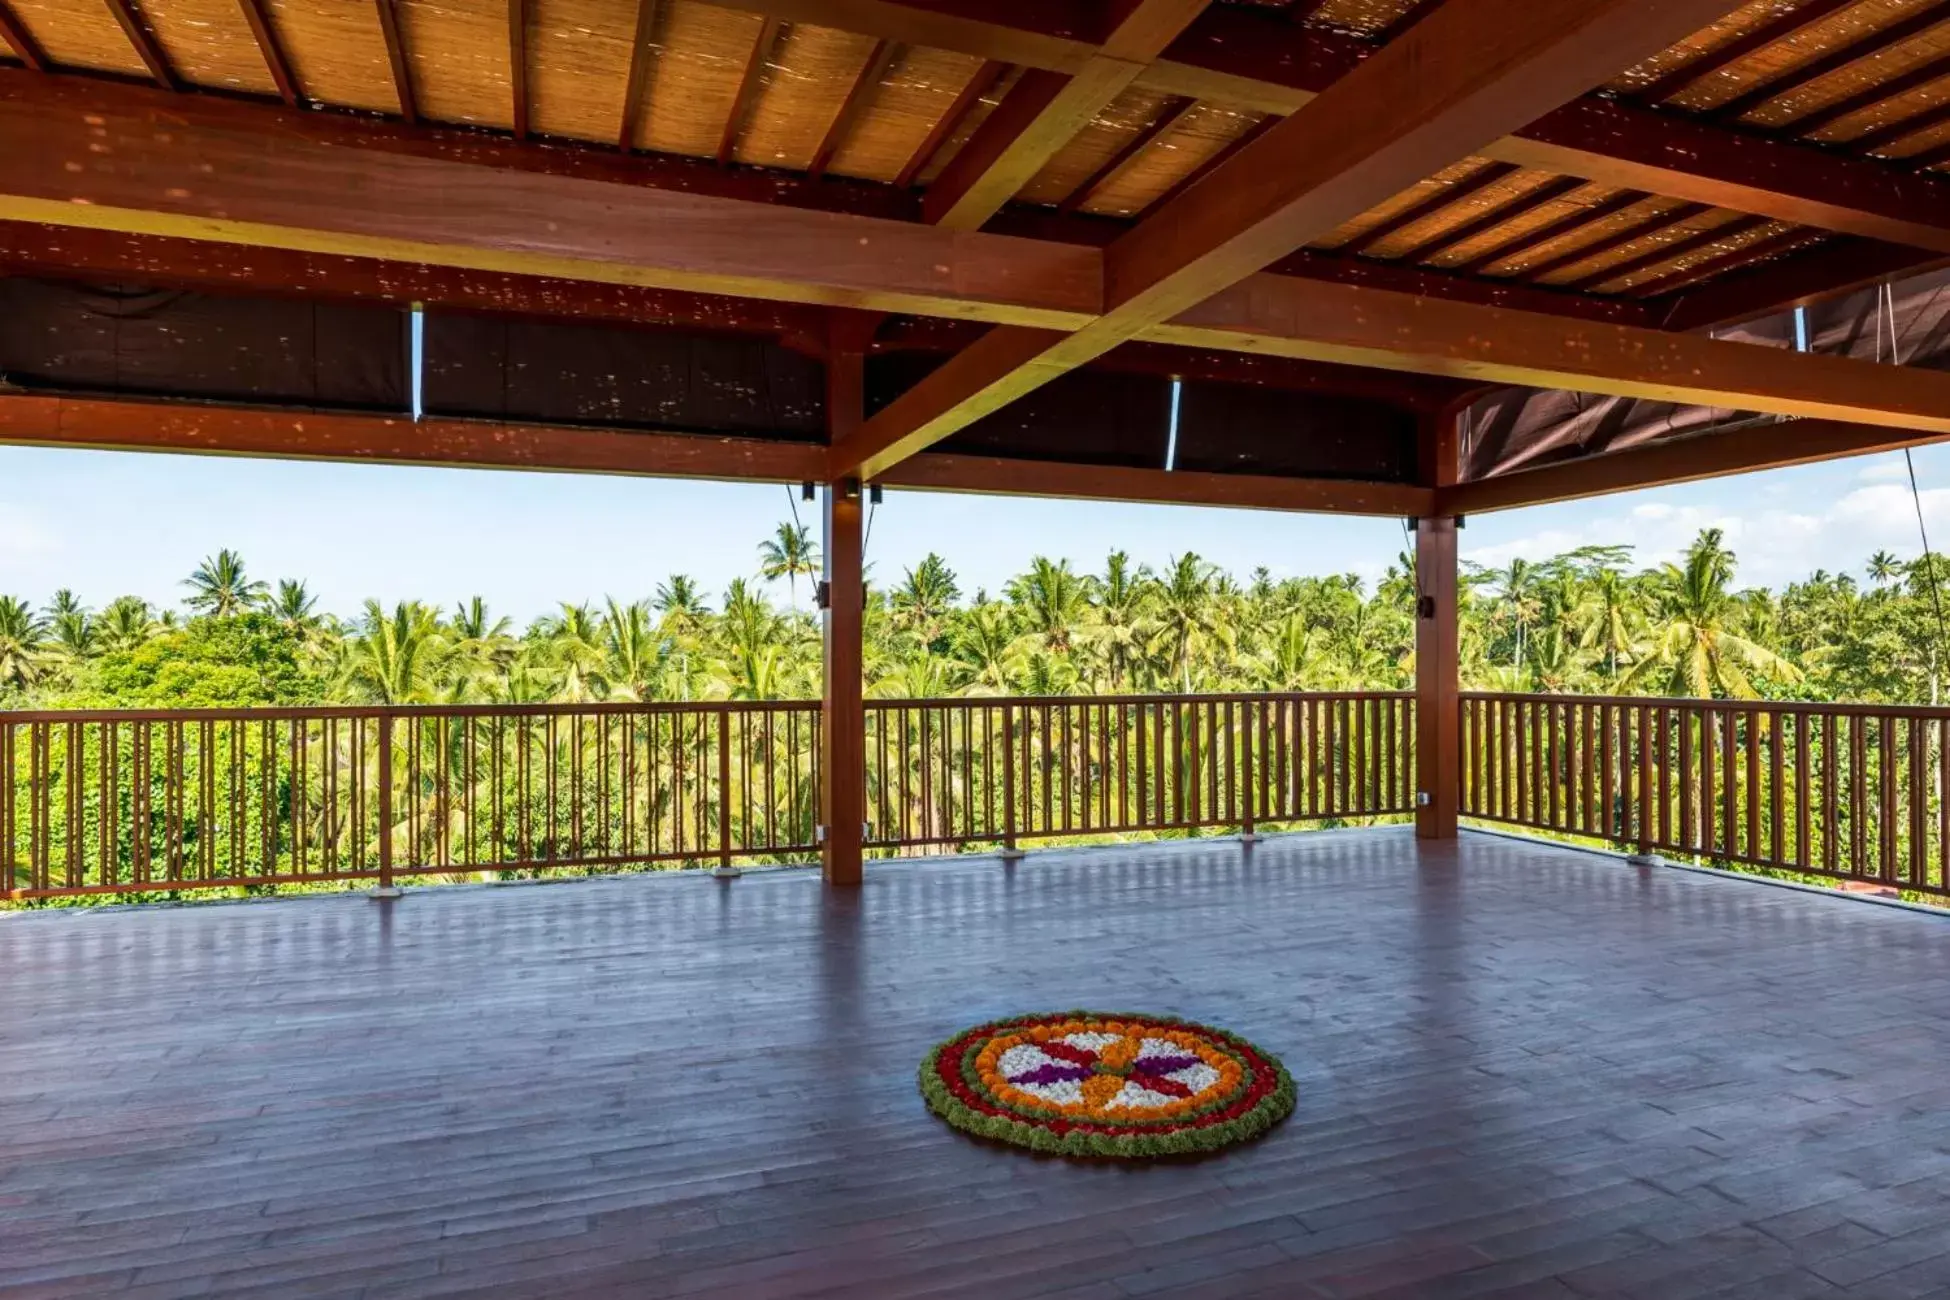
[1522,1072]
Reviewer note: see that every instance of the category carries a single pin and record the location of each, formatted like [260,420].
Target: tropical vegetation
[1588,620]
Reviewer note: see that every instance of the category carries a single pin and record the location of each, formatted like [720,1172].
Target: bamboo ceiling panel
[1935,138]
[1505,233]
[1192,142]
[1494,195]
[1445,179]
[1584,235]
[1887,113]
[812,70]
[208,43]
[968,126]
[1127,117]
[337,52]
[579,67]
[1784,57]
[919,87]
[700,58]
[459,53]
[1365,17]
[1663,235]
[79,34]
[1871,71]
[1735,241]
[1702,43]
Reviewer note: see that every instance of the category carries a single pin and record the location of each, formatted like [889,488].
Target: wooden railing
[122,802]
[155,802]
[971,771]
[1854,792]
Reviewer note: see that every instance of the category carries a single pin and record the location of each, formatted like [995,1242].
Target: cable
[1888,302]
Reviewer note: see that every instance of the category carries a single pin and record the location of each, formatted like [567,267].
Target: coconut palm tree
[925,598]
[1186,609]
[294,605]
[221,588]
[23,644]
[788,553]
[390,660]
[125,624]
[1611,618]
[1696,650]
[1884,568]
[1121,622]
[1050,600]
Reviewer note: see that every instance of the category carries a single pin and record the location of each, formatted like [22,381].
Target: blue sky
[107,523]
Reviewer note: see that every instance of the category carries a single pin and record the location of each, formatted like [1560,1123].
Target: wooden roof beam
[865,86]
[144,41]
[1044,111]
[1464,76]
[389,31]
[20,40]
[258,18]
[1682,460]
[1314,320]
[209,429]
[638,83]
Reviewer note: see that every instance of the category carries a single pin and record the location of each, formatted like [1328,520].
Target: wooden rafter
[1902,128]
[1318,321]
[1664,253]
[268,45]
[1217,160]
[518,64]
[1418,104]
[1682,460]
[145,44]
[638,83]
[1766,34]
[1517,245]
[1774,245]
[1169,116]
[1836,265]
[949,122]
[748,87]
[396,59]
[1870,96]
[1440,200]
[1044,111]
[864,88]
[1529,201]
[1649,226]
[1867,47]
[20,40]
[1930,157]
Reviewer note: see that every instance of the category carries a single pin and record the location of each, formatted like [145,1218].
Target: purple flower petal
[1162,1065]
[1053,1074]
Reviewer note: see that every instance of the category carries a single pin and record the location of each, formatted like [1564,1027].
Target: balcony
[1522,1070]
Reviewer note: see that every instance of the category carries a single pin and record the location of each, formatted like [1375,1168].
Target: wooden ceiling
[835,88]
[1784,152]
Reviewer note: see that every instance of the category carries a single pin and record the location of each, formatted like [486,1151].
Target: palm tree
[1697,652]
[1122,620]
[1521,602]
[925,598]
[787,554]
[125,624]
[391,657]
[632,653]
[294,604]
[23,644]
[1611,618]
[220,588]
[1050,600]
[1884,568]
[1185,603]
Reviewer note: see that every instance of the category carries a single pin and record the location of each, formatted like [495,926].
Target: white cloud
[1775,545]
[1884,469]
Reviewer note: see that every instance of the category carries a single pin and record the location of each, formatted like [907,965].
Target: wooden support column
[843,719]
[1438,707]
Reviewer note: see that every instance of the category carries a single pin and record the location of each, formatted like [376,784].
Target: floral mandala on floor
[1084,1083]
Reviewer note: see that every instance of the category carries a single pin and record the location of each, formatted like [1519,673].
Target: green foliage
[1583,621]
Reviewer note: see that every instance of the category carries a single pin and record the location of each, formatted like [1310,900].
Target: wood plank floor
[1523,1072]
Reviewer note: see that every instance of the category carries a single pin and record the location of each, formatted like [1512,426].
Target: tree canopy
[1585,621]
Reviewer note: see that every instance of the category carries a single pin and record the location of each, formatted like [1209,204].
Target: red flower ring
[1094,1084]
